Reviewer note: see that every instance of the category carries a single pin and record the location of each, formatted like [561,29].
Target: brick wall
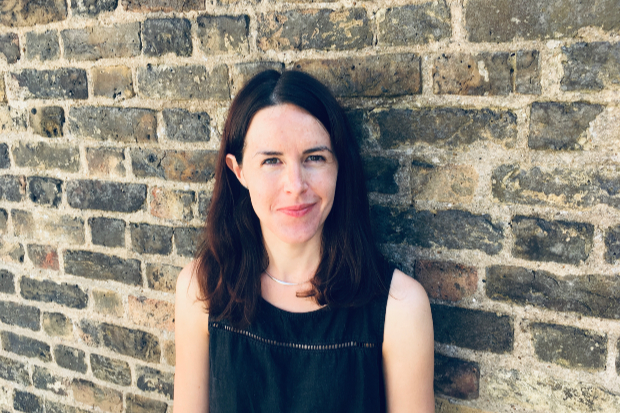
[490,130]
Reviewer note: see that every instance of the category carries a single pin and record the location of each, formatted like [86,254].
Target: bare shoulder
[187,284]
[407,295]
[189,307]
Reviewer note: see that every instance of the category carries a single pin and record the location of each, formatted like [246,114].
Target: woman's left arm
[408,348]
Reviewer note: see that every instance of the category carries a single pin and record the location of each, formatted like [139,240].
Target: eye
[316,158]
[271,161]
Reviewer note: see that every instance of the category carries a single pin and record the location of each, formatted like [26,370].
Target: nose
[295,179]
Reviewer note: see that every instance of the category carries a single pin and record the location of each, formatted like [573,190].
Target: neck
[294,263]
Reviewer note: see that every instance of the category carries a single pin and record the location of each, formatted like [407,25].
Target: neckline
[272,308]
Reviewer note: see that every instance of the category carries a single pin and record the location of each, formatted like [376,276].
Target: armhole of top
[381,306]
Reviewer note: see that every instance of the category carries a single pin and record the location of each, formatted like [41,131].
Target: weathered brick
[527,73]
[108,232]
[48,228]
[445,127]
[2,91]
[53,407]
[162,277]
[9,47]
[170,352]
[150,312]
[446,280]
[569,347]
[183,82]
[57,325]
[114,82]
[43,46]
[223,34]
[380,174]
[12,188]
[157,381]
[47,121]
[11,119]
[27,402]
[465,74]
[204,202]
[11,252]
[185,166]
[65,83]
[456,378]
[590,295]
[44,156]
[114,371]
[474,329]
[242,72]
[504,20]
[70,358]
[7,281]
[185,126]
[451,229]
[14,370]
[105,162]
[151,239]
[25,346]
[370,76]
[321,29]
[20,315]
[130,342]
[92,8]
[88,332]
[163,36]
[449,406]
[449,183]
[106,196]
[98,266]
[5,161]
[559,241]
[561,126]
[141,404]
[414,24]
[101,42]
[171,204]
[32,12]
[133,125]
[43,256]
[4,217]
[107,302]
[46,380]
[612,244]
[97,396]
[68,295]
[167,6]
[572,188]
[591,66]
[186,240]
[45,191]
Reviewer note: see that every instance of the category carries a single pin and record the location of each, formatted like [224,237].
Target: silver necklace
[281,282]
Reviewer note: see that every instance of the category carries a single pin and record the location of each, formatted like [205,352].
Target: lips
[297,210]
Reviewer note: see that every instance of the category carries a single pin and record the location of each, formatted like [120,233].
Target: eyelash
[315,158]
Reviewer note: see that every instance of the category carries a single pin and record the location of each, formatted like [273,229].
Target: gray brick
[43,46]
[11,119]
[107,369]
[108,232]
[527,73]
[185,126]
[569,347]
[20,315]
[591,66]
[14,371]
[561,126]
[9,47]
[465,74]
[559,241]
[98,266]
[415,24]
[141,404]
[101,42]
[70,358]
[106,196]
[167,6]
[129,342]
[5,161]
[57,325]
[163,36]
[223,34]
[49,228]
[162,277]
[456,378]
[108,302]
[68,295]
[27,402]
[321,29]
[25,346]
[53,407]
[7,282]
[380,174]
[187,240]
[151,239]
[43,256]
[45,191]
[21,13]
[46,380]
[183,82]
[156,381]
[12,188]
[65,83]
[47,121]
[612,244]
[4,217]
[127,125]
[92,8]
[185,166]
[242,72]
[204,202]
[45,156]
[97,396]
[371,76]
[88,332]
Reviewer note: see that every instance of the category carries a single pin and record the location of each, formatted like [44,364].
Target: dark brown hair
[232,255]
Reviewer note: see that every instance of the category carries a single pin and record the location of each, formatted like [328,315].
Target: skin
[290,172]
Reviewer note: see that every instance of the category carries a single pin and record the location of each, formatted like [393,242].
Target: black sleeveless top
[327,360]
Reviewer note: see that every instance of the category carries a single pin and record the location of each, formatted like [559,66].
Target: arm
[408,348]
[191,380]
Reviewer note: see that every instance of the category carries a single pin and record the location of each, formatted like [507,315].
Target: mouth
[297,210]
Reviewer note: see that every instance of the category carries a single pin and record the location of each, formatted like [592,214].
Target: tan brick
[57,325]
[97,396]
[446,280]
[444,406]
[11,252]
[151,313]
[108,302]
[48,228]
[171,204]
[2,91]
[113,82]
[451,183]
[97,42]
[11,119]
[104,162]
[170,352]
[482,74]
[162,277]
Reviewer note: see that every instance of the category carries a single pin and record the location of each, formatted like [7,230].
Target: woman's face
[290,171]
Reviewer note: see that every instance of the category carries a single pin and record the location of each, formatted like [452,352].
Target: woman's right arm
[191,380]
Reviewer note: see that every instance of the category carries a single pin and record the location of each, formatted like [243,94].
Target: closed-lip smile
[297,210]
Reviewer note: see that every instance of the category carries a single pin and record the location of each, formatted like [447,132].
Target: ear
[231,162]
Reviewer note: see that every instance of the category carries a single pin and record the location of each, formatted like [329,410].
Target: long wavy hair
[232,255]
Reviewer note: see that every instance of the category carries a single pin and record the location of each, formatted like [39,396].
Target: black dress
[323,361]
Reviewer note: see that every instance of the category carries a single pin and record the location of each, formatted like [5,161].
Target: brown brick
[464,74]
[446,280]
[114,82]
[370,76]
[242,72]
[48,228]
[167,6]
[21,13]
[97,396]
[172,204]
[162,277]
[141,404]
[170,352]
[185,166]
[414,24]
[223,34]
[105,162]
[44,156]
[57,325]
[152,313]
[43,256]
[183,82]
[456,378]
[108,302]
[445,406]
[47,121]
[450,183]
[100,42]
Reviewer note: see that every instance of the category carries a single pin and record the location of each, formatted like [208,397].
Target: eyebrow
[307,151]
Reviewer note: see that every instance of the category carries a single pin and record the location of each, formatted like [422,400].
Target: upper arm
[191,381]
[408,347]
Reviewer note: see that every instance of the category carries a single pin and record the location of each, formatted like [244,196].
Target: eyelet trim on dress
[298,346]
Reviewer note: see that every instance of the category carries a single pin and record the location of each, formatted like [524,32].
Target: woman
[286,308]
